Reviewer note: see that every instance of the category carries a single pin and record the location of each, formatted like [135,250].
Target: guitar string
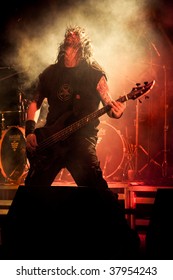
[64,133]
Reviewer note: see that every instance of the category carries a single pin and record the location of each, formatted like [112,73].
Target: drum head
[110,151]
[13,153]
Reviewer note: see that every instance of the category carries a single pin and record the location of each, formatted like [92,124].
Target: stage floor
[136,198]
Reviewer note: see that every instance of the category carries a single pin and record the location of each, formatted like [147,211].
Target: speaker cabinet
[67,223]
[159,237]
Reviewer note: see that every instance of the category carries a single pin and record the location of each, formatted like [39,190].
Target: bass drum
[13,159]
[110,151]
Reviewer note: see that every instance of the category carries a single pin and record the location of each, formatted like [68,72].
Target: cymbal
[8,112]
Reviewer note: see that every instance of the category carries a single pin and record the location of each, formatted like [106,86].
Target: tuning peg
[138,84]
[140,101]
[145,83]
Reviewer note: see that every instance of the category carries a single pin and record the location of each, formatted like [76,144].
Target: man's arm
[31,141]
[117,107]
[31,111]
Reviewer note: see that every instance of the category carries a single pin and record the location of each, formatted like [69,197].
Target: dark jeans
[77,155]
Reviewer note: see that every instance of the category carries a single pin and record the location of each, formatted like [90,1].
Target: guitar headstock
[140,90]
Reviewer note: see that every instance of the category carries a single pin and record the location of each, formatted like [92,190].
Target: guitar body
[43,133]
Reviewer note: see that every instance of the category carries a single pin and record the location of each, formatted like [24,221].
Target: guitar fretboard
[67,131]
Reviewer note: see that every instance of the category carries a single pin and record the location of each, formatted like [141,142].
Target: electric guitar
[48,136]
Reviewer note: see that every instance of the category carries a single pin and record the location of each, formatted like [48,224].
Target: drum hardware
[9,112]
[22,107]
[165,151]
[111,151]
[2,121]
[149,160]
[138,146]
[3,124]
[129,158]
[22,111]
[105,166]
[164,165]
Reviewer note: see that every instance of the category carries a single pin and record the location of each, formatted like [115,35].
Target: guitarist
[74,86]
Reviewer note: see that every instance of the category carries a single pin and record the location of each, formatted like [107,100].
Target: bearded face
[72,39]
[76,38]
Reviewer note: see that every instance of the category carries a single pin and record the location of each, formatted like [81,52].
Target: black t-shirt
[71,93]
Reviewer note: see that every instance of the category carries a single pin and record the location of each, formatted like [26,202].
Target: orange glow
[129,42]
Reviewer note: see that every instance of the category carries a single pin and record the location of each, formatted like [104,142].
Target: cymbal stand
[136,137]
[2,124]
[165,163]
[129,155]
[22,107]
[137,146]
[2,121]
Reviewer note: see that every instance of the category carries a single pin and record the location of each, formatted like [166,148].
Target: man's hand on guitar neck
[117,109]
[117,106]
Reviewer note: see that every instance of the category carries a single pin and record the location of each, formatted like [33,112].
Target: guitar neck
[67,131]
[87,119]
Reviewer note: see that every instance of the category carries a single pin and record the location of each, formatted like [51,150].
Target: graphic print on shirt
[65,92]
